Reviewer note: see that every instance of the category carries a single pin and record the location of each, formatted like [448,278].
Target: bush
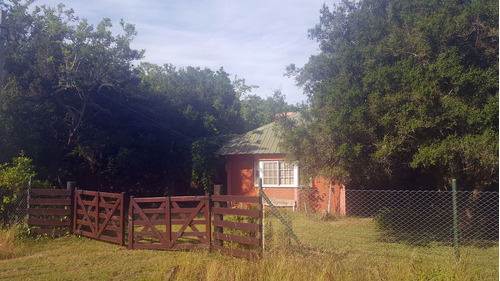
[14,178]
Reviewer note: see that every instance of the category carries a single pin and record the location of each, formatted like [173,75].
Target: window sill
[278,186]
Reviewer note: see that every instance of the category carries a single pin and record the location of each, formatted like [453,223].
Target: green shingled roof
[262,140]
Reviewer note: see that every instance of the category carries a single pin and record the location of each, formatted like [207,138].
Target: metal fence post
[28,201]
[262,221]
[455,220]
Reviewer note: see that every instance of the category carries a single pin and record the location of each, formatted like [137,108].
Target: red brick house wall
[240,181]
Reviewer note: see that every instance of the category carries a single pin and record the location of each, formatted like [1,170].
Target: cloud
[252,39]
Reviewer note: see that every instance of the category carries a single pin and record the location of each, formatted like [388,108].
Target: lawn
[363,251]
[339,249]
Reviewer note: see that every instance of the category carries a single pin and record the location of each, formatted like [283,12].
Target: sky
[250,39]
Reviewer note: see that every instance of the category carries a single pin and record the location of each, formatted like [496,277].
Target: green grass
[359,243]
[339,249]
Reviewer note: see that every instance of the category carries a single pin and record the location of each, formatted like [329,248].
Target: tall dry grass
[7,242]
[284,265]
[12,241]
[74,258]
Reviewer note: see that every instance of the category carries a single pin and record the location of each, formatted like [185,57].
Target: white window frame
[259,174]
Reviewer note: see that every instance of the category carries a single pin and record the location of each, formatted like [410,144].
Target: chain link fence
[370,220]
[20,208]
[374,221]
[427,216]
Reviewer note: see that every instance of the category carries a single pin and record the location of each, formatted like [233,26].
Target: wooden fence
[174,223]
[177,223]
[237,231]
[188,213]
[99,215]
[49,211]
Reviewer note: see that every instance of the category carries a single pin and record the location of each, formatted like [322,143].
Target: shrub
[14,178]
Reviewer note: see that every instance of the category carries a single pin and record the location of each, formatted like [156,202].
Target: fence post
[168,222]
[70,185]
[455,220]
[208,223]
[122,220]
[261,222]
[75,210]
[130,245]
[217,229]
[96,228]
[28,201]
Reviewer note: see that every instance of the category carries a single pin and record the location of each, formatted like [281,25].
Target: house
[256,154]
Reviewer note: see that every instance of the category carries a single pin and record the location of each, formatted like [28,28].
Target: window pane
[270,170]
[275,173]
[286,173]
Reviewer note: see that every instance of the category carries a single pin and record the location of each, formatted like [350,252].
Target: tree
[404,94]
[56,66]
[66,59]
[207,109]
[73,101]
[206,98]
[257,111]
[207,166]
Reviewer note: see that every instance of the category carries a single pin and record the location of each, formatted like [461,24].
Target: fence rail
[177,223]
[237,231]
[49,211]
[412,218]
[99,215]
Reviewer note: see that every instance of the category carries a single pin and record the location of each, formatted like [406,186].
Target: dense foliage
[14,178]
[404,94]
[73,100]
[258,111]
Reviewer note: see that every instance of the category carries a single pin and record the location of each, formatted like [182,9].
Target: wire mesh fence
[366,221]
[373,221]
[427,216]
[19,212]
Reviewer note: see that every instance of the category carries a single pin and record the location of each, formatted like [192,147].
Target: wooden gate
[178,223]
[169,223]
[99,215]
